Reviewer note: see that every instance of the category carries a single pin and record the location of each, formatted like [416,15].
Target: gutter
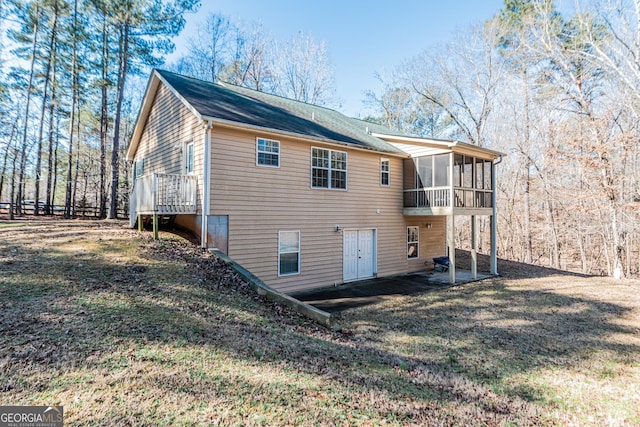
[318,140]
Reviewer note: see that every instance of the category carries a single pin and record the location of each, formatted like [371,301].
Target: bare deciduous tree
[302,71]
[461,80]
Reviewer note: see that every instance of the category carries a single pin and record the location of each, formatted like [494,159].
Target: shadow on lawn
[489,331]
[87,306]
[513,269]
[528,327]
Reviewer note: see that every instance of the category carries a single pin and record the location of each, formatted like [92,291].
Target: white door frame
[351,271]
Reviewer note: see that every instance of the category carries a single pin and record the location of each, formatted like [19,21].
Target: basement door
[358,254]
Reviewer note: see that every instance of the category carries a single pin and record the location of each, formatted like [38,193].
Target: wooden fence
[58,211]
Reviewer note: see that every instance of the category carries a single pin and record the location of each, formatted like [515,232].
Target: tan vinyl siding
[169,126]
[432,240]
[260,201]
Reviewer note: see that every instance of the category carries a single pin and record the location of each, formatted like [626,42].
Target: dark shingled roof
[245,106]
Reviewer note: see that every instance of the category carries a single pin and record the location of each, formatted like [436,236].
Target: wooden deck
[163,194]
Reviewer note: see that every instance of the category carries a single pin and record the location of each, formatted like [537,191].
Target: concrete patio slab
[371,291]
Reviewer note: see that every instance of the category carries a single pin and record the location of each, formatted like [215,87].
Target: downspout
[206,182]
[494,219]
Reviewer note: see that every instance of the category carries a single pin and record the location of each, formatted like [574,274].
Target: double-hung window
[267,153]
[384,173]
[328,169]
[288,253]
[413,242]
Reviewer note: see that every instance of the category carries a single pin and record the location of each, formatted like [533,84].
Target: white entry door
[359,254]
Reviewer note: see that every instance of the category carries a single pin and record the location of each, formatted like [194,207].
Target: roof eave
[276,132]
[442,143]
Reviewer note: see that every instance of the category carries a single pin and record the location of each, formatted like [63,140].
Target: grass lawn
[124,330]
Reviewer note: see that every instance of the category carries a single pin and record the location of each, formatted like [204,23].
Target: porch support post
[494,250]
[451,232]
[155,226]
[493,222]
[474,252]
[140,228]
[451,238]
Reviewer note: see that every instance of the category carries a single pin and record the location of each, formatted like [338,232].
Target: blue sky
[362,37]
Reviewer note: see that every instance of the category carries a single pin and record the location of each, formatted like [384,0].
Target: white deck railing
[163,194]
[439,197]
[435,197]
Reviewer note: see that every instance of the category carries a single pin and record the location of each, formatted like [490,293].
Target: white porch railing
[163,194]
[439,197]
[435,197]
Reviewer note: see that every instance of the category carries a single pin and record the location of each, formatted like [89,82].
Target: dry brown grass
[567,345]
[124,330]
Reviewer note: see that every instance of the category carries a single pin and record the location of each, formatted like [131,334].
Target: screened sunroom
[448,183]
[450,179]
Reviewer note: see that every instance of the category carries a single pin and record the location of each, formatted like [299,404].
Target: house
[301,195]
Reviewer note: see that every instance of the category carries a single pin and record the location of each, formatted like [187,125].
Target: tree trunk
[77,167]
[43,109]
[528,257]
[618,249]
[74,83]
[4,167]
[13,187]
[48,210]
[555,242]
[55,166]
[23,152]
[104,120]
[122,74]
[583,255]
[6,157]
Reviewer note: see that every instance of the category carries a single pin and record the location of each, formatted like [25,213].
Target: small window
[328,169]
[288,253]
[188,158]
[267,153]
[413,242]
[384,173]
[138,169]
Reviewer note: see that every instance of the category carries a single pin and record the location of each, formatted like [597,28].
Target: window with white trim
[385,178]
[267,153]
[413,242]
[138,169]
[188,157]
[328,169]
[288,253]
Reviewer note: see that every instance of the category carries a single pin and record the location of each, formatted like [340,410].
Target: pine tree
[144,29]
